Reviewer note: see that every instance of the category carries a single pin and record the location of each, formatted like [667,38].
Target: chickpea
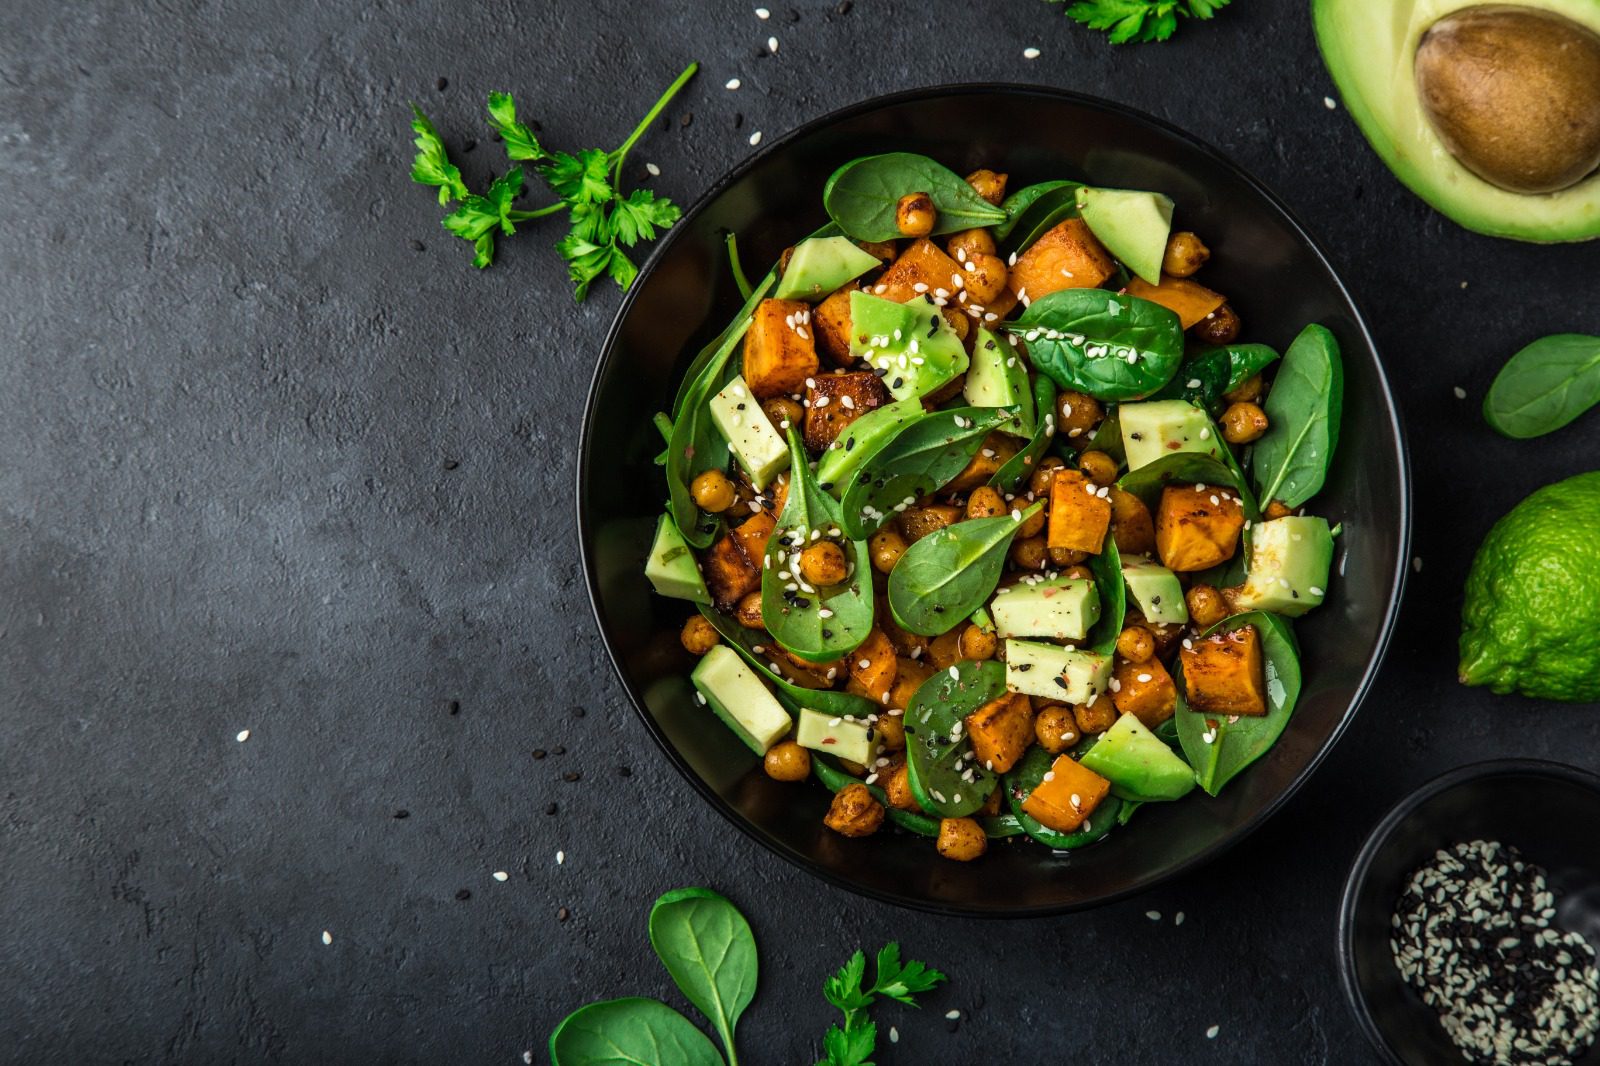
[892,731]
[787,761]
[823,564]
[886,546]
[984,278]
[961,839]
[854,812]
[1067,557]
[897,789]
[1219,327]
[1029,553]
[1096,717]
[1243,423]
[783,412]
[854,769]
[1206,607]
[698,636]
[712,491]
[1248,391]
[1077,413]
[915,215]
[1101,468]
[748,613]
[1056,728]
[944,651]
[1033,525]
[988,184]
[1277,509]
[1136,644]
[1185,254]
[1044,475]
[978,643]
[970,242]
[1078,573]
[986,502]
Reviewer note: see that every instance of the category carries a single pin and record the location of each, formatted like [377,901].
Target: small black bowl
[1548,811]
[1262,259]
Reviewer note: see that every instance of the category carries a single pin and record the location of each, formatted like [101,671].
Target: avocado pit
[1514,94]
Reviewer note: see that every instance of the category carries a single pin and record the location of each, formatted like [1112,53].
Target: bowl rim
[1125,113]
[1379,837]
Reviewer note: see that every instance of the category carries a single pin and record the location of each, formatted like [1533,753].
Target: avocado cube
[998,377]
[1051,672]
[1138,763]
[859,440]
[738,697]
[1198,526]
[738,417]
[1132,224]
[1155,590]
[911,344]
[1067,796]
[1061,608]
[843,737]
[1224,673]
[1154,429]
[671,567]
[818,265]
[1289,562]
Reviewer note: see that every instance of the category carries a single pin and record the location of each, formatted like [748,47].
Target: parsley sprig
[1138,21]
[588,186]
[852,1043]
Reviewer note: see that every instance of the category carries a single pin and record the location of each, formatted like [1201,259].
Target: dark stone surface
[265,466]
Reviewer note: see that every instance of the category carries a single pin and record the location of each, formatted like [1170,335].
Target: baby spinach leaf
[1019,785]
[921,457]
[696,377]
[707,947]
[1201,379]
[944,773]
[818,625]
[1183,468]
[861,196]
[1027,222]
[1107,567]
[1291,460]
[1109,345]
[1015,470]
[1236,742]
[793,696]
[1544,386]
[951,572]
[1107,437]
[1246,361]
[1017,204]
[633,1029]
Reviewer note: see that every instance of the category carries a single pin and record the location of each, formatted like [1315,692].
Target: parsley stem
[644,124]
[540,212]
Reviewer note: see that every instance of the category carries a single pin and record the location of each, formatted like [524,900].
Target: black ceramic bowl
[1549,811]
[1272,272]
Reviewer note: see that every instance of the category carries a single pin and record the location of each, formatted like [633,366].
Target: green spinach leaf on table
[707,947]
[1544,386]
[1290,461]
[862,196]
[1112,346]
[951,572]
[633,1029]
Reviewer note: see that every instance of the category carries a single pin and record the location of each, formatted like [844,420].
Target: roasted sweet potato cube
[883,250]
[1068,256]
[830,321]
[1189,300]
[997,450]
[922,263]
[873,665]
[779,349]
[1132,527]
[833,401]
[752,536]
[896,784]
[918,522]
[1144,690]
[991,806]
[1001,731]
[1197,527]
[1223,673]
[1068,794]
[1079,513]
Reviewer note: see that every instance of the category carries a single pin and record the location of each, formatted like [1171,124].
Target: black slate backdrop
[265,465]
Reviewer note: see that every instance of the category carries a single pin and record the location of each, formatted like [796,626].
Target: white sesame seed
[1211,1033]
[763,14]
[894,1035]
[952,1015]
[242,736]
[1461,394]
[327,937]
[1154,916]
[772,45]
[1030,53]
[561,857]
[501,875]
[1178,918]
[733,83]
[653,170]
[1329,103]
[755,138]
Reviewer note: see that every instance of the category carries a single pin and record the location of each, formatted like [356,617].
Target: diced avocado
[859,439]
[738,417]
[1289,562]
[672,568]
[998,377]
[1133,225]
[821,264]
[912,343]
[1157,428]
[1061,608]
[1138,763]
[1155,590]
[846,738]
[1054,673]
[740,699]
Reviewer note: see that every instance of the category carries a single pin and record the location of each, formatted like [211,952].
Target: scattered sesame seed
[1329,103]
[894,1035]
[1154,916]
[755,138]
[763,14]
[327,937]
[1178,918]
[561,857]
[733,83]
[1416,563]
[1030,53]
[952,1015]
[772,45]
[501,875]
[653,170]
[1211,1033]
[1461,394]
[242,736]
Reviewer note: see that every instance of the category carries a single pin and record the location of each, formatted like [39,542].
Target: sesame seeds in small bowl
[1470,919]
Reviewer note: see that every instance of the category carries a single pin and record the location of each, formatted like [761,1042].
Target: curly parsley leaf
[519,139]
[843,989]
[637,217]
[852,1043]
[849,1047]
[902,982]
[1139,21]
[432,165]
[479,216]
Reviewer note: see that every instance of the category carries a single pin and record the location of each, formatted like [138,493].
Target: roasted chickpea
[1044,474]
[748,613]
[986,502]
[854,812]
[897,789]
[944,651]
[1206,606]
[1066,557]
[698,636]
[1131,525]
[1095,717]
[1243,423]
[915,215]
[1029,553]
[891,731]
[886,547]
[787,761]
[978,643]
[712,491]
[970,242]
[823,564]
[1056,728]
[988,184]
[1219,327]
[1033,525]
[961,839]
[1076,414]
[917,522]
[783,412]
[984,277]
[1101,468]
[1277,509]
[1078,573]
[1136,644]
[1185,254]
[1248,391]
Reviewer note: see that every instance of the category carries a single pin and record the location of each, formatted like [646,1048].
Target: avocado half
[1370,48]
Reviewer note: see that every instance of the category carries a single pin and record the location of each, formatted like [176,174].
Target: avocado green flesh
[1155,590]
[998,377]
[1133,225]
[911,343]
[1155,429]
[671,568]
[1289,562]
[737,696]
[1138,764]
[821,264]
[1369,49]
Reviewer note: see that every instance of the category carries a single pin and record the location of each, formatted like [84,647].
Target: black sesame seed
[442,84]
[572,775]
[464,894]
[402,813]
[418,246]
[552,808]
[538,753]
[455,706]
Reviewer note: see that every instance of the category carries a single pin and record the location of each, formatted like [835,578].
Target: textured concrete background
[265,464]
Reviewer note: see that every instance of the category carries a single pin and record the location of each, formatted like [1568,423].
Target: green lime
[1531,621]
